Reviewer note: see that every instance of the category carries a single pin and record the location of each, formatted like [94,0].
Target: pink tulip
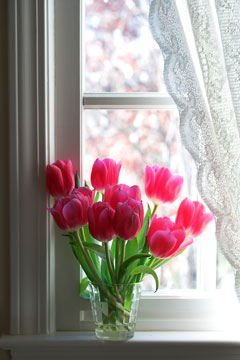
[121,193]
[165,238]
[192,216]
[161,185]
[100,221]
[70,212]
[105,172]
[128,219]
[85,192]
[60,178]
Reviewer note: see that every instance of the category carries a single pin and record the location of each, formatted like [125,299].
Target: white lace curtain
[200,41]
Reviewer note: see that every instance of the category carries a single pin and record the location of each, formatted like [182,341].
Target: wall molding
[31,124]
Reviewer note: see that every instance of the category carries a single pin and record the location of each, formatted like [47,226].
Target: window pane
[138,138]
[121,55]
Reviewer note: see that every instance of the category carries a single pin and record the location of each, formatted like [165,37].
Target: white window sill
[144,345]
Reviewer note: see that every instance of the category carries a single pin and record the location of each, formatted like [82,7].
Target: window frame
[47,103]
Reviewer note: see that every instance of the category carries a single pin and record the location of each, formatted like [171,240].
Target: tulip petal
[185,213]
[187,241]
[74,214]
[99,175]
[161,178]
[60,221]
[201,224]
[161,243]
[100,220]
[158,224]
[149,181]
[180,235]
[113,170]
[134,192]
[68,177]
[54,179]
[172,189]
[105,230]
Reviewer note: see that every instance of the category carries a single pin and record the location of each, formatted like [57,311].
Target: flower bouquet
[115,243]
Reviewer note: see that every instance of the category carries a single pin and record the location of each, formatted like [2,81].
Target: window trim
[45,84]
[31,127]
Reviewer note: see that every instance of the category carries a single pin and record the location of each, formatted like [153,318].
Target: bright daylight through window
[122,57]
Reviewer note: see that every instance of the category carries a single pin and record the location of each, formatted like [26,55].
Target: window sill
[170,345]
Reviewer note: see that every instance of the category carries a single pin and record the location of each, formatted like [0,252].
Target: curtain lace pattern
[207,96]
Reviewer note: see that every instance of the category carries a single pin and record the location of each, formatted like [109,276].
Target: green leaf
[141,238]
[80,258]
[90,239]
[96,197]
[143,244]
[105,273]
[113,247]
[146,270]
[77,181]
[131,248]
[84,293]
[86,184]
[97,249]
[130,261]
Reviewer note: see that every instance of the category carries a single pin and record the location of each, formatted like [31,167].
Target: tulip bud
[192,216]
[128,219]
[121,193]
[104,172]
[166,239]
[60,178]
[85,192]
[70,212]
[100,221]
[161,185]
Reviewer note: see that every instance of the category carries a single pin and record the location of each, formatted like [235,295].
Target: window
[116,64]
[47,122]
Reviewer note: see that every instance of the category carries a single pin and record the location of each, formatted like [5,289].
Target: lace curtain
[200,41]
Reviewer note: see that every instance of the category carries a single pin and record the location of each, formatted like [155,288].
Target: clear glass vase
[115,310]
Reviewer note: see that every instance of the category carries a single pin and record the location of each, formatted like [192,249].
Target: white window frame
[47,103]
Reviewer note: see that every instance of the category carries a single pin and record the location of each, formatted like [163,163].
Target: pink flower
[100,221]
[70,212]
[161,185]
[104,172]
[192,216]
[165,238]
[60,178]
[128,219]
[85,192]
[121,193]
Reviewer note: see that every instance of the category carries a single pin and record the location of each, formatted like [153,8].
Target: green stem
[82,234]
[154,210]
[152,259]
[123,252]
[117,256]
[119,298]
[99,280]
[159,263]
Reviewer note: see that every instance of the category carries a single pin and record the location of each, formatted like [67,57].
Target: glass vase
[115,310]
